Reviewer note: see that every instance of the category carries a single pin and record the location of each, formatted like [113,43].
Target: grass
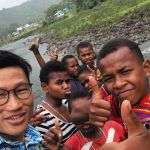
[104,15]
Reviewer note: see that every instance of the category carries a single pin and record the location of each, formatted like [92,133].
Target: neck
[13,138]
[92,65]
[93,133]
[56,103]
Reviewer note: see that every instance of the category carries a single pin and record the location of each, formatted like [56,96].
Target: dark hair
[65,58]
[8,59]
[76,95]
[115,44]
[50,67]
[83,69]
[83,44]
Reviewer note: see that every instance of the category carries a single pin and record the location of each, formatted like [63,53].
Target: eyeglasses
[22,92]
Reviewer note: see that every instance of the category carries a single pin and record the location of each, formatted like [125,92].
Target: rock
[135,27]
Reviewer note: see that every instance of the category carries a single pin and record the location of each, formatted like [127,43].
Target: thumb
[94,85]
[130,119]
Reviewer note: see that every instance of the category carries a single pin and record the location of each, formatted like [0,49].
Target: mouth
[125,93]
[89,62]
[16,118]
[68,91]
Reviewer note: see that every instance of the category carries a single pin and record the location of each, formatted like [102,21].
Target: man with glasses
[16,104]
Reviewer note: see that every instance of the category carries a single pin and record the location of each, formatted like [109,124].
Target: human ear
[44,87]
[146,66]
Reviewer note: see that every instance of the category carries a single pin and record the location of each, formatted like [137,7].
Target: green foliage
[104,15]
[52,10]
[86,4]
[28,12]
[5,30]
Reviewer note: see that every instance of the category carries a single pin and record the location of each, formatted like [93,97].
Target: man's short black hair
[83,44]
[50,67]
[83,69]
[8,59]
[65,58]
[76,95]
[115,44]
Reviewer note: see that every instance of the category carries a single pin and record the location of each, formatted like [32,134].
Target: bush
[87,4]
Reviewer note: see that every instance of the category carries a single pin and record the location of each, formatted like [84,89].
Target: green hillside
[32,10]
[104,15]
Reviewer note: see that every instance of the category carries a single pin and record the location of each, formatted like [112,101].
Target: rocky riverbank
[134,26]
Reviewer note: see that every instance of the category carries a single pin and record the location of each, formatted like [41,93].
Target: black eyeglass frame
[15,93]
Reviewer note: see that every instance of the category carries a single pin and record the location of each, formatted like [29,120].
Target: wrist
[35,51]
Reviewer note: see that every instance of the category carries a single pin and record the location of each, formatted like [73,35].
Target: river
[20,47]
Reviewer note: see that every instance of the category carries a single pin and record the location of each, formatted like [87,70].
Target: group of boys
[100,118]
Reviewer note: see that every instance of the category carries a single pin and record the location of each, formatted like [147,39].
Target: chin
[15,130]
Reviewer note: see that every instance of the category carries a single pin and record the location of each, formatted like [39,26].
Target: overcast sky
[10,3]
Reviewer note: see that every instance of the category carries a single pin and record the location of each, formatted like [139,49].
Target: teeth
[16,117]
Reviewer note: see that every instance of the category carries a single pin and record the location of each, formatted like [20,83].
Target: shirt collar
[32,136]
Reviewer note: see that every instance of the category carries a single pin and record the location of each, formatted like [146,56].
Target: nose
[119,83]
[14,103]
[87,57]
[66,85]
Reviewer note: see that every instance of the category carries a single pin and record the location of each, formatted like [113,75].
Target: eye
[3,94]
[59,82]
[67,81]
[107,79]
[125,72]
[22,89]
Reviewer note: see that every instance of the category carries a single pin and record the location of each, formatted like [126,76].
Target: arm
[34,48]
[100,109]
[138,136]
[39,58]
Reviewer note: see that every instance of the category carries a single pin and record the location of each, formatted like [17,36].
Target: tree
[50,13]
[85,4]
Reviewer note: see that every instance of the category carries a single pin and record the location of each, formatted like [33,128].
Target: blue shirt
[32,141]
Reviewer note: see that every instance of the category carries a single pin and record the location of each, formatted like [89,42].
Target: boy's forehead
[85,49]
[70,60]
[58,75]
[122,55]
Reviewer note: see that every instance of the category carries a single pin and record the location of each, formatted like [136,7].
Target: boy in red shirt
[125,73]
[90,137]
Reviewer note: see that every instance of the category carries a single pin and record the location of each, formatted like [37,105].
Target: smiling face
[58,85]
[16,113]
[87,56]
[125,75]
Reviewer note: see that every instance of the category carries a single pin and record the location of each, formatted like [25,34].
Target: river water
[20,47]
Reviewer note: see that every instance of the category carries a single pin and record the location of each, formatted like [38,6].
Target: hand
[100,109]
[34,44]
[37,118]
[93,83]
[138,136]
[53,138]
[53,54]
